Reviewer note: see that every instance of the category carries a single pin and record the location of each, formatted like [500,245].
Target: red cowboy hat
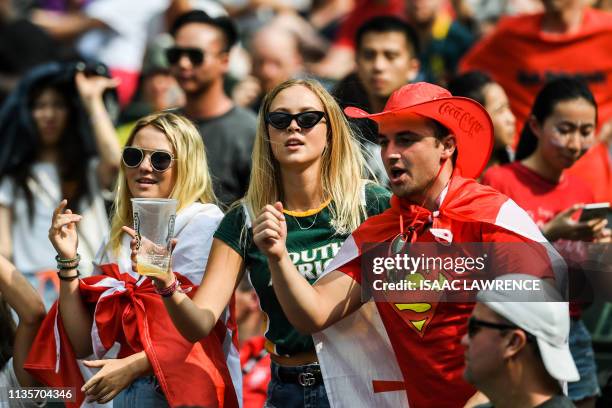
[464,117]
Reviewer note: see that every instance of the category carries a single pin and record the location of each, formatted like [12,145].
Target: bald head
[276,56]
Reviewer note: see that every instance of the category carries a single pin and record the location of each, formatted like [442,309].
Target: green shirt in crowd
[311,242]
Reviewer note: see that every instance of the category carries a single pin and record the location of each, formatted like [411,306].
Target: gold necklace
[308,227]
[308,213]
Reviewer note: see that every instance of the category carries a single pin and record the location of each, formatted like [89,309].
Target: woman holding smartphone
[560,130]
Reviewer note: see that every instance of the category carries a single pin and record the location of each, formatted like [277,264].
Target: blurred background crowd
[75,75]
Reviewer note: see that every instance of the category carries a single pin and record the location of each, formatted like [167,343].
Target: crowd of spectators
[77,75]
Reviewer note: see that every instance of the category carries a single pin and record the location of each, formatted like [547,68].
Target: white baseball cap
[542,313]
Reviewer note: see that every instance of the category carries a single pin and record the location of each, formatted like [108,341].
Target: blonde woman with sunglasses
[305,158]
[140,359]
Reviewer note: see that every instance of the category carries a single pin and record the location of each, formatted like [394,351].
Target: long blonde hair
[193,181]
[342,163]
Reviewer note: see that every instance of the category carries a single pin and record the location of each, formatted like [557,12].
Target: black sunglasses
[306,120]
[474,326]
[195,55]
[161,160]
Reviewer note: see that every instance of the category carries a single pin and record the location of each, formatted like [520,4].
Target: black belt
[310,377]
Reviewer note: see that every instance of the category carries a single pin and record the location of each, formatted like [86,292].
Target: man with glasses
[517,351]
[199,62]
[395,354]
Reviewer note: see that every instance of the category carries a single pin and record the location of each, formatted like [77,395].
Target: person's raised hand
[270,231]
[63,232]
[91,88]
[136,244]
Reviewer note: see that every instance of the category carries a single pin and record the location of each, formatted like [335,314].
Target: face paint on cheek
[564,146]
[554,141]
[586,144]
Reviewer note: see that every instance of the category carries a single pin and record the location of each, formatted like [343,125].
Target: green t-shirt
[311,242]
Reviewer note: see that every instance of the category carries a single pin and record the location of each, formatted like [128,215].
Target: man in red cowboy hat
[400,354]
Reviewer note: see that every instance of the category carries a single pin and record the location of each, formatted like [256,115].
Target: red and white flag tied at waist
[399,355]
[130,317]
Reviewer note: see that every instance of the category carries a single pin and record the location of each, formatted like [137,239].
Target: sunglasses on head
[195,55]
[306,120]
[161,160]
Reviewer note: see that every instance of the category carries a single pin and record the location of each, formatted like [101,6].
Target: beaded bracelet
[68,278]
[169,291]
[69,263]
[68,260]
[67,267]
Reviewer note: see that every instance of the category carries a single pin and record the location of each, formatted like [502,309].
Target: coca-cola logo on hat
[466,121]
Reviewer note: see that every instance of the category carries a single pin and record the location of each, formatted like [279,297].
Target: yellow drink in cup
[149,269]
[154,225]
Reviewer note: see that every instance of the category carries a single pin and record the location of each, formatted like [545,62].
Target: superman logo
[418,315]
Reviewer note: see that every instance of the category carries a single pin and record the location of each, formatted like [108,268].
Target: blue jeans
[289,395]
[144,392]
[582,352]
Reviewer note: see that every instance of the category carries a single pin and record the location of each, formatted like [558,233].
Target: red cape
[465,200]
[189,374]
[419,338]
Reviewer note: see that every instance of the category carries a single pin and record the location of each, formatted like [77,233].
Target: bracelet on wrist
[169,291]
[68,260]
[67,267]
[67,263]
[68,278]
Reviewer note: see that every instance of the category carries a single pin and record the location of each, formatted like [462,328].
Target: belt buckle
[306,379]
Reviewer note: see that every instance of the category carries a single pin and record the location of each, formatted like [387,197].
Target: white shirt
[32,250]
[122,45]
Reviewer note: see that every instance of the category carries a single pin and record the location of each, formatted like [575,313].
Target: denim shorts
[582,352]
[143,392]
[289,395]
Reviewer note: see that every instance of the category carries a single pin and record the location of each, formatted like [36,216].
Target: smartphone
[594,211]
